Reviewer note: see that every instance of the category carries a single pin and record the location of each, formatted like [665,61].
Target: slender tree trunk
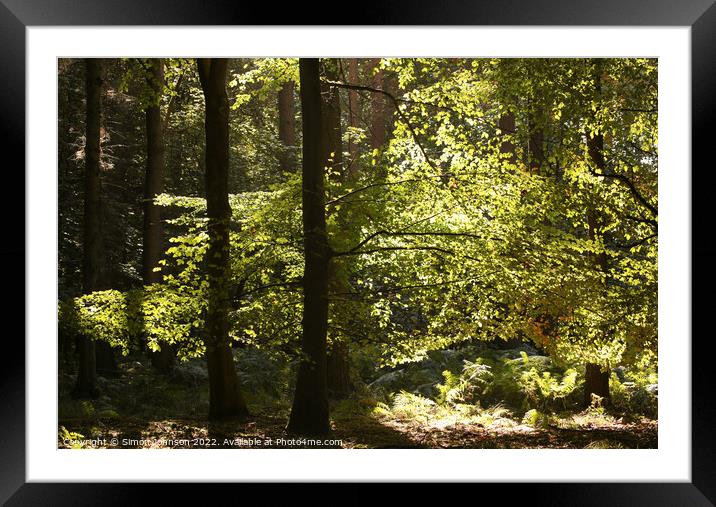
[286,127]
[391,85]
[338,360]
[377,139]
[86,385]
[596,379]
[353,106]
[332,150]
[535,147]
[163,360]
[105,361]
[225,399]
[507,128]
[154,179]
[309,414]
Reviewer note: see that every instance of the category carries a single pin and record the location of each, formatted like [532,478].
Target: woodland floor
[358,432]
[144,415]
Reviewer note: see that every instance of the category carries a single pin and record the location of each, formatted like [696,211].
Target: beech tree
[338,367]
[92,246]
[153,241]
[309,412]
[378,108]
[225,399]
[353,113]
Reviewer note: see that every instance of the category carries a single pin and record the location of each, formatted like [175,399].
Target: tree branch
[630,184]
[295,283]
[642,220]
[367,187]
[403,117]
[392,248]
[636,243]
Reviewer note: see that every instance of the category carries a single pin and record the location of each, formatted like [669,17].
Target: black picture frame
[700,15]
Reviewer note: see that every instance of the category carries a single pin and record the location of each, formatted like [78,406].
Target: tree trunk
[353,114]
[86,385]
[225,399]
[596,380]
[104,354]
[163,360]
[535,147]
[377,138]
[332,149]
[507,128]
[309,413]
[105,359]
[286,127]
[392,86]
[339,377]
[337,361]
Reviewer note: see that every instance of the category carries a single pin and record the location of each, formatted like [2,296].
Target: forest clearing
[357,253]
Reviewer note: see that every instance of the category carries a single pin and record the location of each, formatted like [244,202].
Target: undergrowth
[476,385]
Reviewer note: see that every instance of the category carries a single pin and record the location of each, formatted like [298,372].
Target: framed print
[418,247]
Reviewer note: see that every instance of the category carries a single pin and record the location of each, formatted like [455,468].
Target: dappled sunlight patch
[416,410]
[589,418]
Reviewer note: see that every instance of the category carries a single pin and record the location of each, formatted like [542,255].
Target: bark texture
[225,399]
[353,113]
[378,108]
[309,413]
[338,370]
[596,381]
[153,234]
[86,385]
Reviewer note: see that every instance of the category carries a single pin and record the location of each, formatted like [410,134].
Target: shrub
[264,377]
[635,397]
[531,382]
[411,406]
[545,390]
[468,386]
[534,418]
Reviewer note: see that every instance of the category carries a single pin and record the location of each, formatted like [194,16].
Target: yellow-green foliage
[70,437]
[636,394]
[467,387]
[531,417]
[406,406]
[102,315]
[543,389]
[536,419]
[411,406]
[157,314]
[592,417]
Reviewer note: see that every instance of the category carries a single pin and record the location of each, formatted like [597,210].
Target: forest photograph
[373,253]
